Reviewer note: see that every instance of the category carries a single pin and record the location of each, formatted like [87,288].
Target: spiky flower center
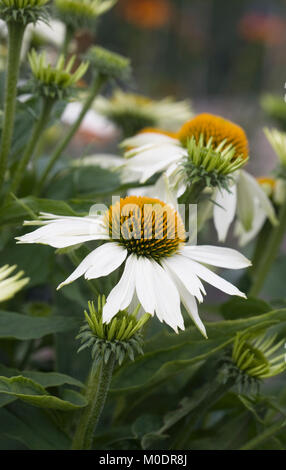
[217,128]
[145,227]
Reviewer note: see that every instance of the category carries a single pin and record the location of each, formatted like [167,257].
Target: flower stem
[64,143]
[271,252]
[15,38]
[69,33]
[96,393]
[38,129]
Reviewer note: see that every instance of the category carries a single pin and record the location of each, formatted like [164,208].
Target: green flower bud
[255,357]
[82,13]
[23,11]
[109,64]
[121,336]
[54,82]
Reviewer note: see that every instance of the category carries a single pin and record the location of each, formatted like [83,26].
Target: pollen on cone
[219,129]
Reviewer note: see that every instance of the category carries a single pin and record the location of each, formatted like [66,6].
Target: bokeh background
[223,55]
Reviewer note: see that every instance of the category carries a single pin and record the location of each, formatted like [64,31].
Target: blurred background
[223,55]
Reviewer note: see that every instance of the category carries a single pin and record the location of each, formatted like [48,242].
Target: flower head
[121,336]
[55,82]
[218,129]
[109,64]
[22,11]
[132,113]
[82,13]
[148,237]
[215,163]
[254,356]
[9,286]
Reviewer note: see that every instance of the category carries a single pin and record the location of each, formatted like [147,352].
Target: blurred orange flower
[146,14]
[260,27]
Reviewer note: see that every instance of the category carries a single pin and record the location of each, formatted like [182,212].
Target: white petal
[145,284]
[145,138]
[121,295]
[100,262]
[67,231]
[245,201]
[224,211]
[258,222]
[190,305]
[258,193]
[167,298]
[154,160]
[215,280]
[216,256]
[181,267]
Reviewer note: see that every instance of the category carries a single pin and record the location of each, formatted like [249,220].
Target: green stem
[271,252]
[38,129]
[195,416]
[191,196]
[96,393]
[69,33]
[15,38]
[267,434]
[61,147]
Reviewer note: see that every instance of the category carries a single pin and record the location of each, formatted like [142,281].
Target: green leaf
[237,308]
[16,211]
[167,353]
[22,327]
[31,427]
[33,393]
[46,379]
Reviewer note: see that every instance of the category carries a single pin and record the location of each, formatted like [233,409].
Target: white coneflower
[132,112]
[148,237]
[9,286]
[210,150]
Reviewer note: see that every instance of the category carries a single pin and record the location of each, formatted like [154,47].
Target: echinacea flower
[209,151]
[132,113]
[9,286]
[148,237]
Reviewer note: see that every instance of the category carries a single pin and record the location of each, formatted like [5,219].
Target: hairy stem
[15,38]
[96,393]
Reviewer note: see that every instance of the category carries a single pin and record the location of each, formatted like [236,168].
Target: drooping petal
[190,304]
[245,201]
[181,268]
[215,280]
[122,294]
[257,224]
[145,284]
[216,256]
[100,262]
[257,193]
[167,298]
[224,210]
